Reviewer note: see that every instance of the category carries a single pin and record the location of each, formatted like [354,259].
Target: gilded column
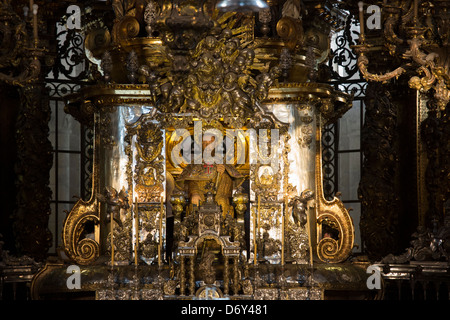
[192,275]
[377,188]
[182,277]
[225,277]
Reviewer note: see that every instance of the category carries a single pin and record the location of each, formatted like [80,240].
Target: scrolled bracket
[81,249]
[331,248]
[77,246]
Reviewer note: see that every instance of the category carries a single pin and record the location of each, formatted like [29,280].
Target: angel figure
[115,201]
[299,204]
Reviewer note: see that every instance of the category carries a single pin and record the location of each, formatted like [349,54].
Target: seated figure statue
[220,179]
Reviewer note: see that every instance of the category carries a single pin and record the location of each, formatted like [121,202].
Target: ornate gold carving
[265,182]
[124,8]
[206,268]
[332,104]
[240,199]
[21,64]
[428,50]
[297,234]
[363,63]
[306,136]
[127,25]
[269,243]
[290,31]
[217,76]
[95,43]
[297,243]
[303,294]
[209,293]
[264,176]
[149,168]
[118,213]
[215,80]
[81,250]
[333,214]
[150,215]
[121,240]
[77,246]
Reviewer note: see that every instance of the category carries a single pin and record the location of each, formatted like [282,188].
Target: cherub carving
[115,201]
[299,204]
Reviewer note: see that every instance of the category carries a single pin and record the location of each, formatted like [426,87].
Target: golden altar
[168,74]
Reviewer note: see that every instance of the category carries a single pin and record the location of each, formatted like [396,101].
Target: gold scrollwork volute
[79,248]
[336,246]
[83,251]
[291,31]
[127,28]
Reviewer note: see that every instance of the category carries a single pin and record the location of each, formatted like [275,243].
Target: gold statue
[220,179]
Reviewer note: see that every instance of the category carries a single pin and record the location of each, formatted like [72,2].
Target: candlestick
[159,255]
[282,229]
[255,249]
[136,228]
[361,21]
[259,224]
[308,225]
[35,25]
[259,216]
[112,238]
[160,230]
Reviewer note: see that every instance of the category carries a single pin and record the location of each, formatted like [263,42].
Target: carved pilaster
[435,142]
[377,189]
[34,161]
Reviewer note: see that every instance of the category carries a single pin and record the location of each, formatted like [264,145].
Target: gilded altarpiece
[199,229]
